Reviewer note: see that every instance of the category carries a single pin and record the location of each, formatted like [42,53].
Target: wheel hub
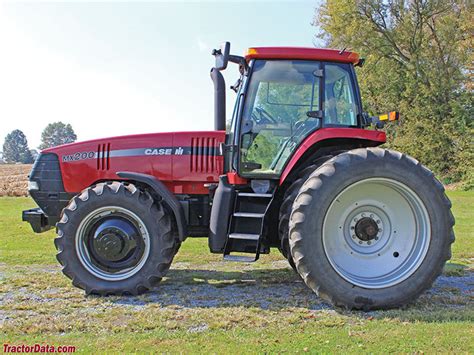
[113,243]
[366,229]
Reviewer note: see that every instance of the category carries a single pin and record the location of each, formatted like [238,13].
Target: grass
[206,305]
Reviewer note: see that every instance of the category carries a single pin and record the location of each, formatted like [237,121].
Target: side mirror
[222,56]
[366,120]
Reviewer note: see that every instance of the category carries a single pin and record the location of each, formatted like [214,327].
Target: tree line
[419,61]
[16,149]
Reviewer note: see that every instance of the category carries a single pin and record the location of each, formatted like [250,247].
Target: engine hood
[175,157]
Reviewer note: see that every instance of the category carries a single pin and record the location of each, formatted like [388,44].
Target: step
[249,214]
[251,194]
[244,236]
[240,258]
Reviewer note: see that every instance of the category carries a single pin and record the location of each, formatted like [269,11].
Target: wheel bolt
[363,214]
[353,237]
[372,216]
[360,242]
[376,238]
[369,242]
[355,219]
[378,221]
[352,228]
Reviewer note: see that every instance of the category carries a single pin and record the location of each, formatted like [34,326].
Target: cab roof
[303,53]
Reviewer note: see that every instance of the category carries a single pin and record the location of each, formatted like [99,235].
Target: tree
[34,153]
[57,133]
[15,148]
[418,61]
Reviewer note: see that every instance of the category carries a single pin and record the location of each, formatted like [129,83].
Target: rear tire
[344,223]
[285,209]
[114,239]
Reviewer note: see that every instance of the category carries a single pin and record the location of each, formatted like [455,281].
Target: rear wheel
[115,239]
[371,228]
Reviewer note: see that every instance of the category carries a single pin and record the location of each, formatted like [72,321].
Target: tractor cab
[284,96]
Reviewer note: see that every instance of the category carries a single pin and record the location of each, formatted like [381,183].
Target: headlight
[32,186]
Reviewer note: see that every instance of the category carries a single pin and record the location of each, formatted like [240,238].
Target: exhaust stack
[219,99]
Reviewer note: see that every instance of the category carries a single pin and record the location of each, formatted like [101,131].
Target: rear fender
[326,140]
[160,189]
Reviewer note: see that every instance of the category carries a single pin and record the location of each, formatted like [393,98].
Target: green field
[206,305]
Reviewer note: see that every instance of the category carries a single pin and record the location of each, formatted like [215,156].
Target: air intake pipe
[219,99]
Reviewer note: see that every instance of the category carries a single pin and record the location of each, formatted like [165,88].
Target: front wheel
[115,239]
[371,228]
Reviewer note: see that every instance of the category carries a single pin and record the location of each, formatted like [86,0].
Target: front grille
[50,197]
[47,173]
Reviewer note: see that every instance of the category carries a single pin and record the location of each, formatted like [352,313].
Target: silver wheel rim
[85,257]
[399,237]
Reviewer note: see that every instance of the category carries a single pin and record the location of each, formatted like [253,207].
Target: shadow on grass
[451,298]
[265,289]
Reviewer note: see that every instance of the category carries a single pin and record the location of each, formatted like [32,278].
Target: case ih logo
[164,151]
[79,156]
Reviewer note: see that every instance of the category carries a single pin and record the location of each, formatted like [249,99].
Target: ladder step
[241,258]
[251,194]
[249,214]
[244,236]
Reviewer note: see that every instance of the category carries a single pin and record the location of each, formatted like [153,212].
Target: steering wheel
[302,127]
[263,116]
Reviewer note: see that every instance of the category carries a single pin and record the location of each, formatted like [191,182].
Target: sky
[117,68]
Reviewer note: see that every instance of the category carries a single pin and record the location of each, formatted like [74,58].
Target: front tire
[114,239]
[371,229]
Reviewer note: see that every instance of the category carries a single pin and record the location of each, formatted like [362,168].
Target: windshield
[277,115]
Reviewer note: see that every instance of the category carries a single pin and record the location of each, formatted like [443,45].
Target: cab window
[340,108]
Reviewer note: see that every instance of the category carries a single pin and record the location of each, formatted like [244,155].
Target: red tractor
[295,169]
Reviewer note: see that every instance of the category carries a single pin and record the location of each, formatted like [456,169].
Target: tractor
[297,168]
